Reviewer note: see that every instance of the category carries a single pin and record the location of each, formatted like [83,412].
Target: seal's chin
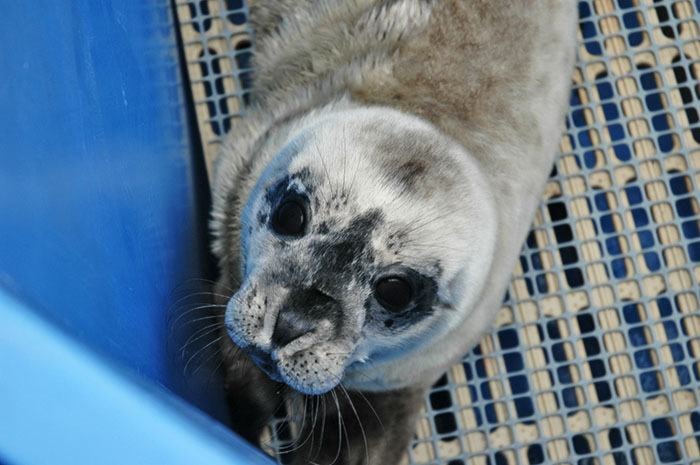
[315,389]
[312,372]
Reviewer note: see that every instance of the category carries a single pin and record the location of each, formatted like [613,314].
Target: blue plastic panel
[99,234]
[61,404]
[97,196]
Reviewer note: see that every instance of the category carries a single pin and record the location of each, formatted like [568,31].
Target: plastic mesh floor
[594,358]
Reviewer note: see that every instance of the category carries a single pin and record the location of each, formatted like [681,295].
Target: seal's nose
[290,325]
[302,311]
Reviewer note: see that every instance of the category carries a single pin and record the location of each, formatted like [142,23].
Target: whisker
[369,404]
[345,428]
[323,426]
[279,405]
[206,361]
[345,158]
[196,294]
[207,281]
[359,421]
[201,318]
[200,333]
[425,222]
[314,410]
[435,245]
[340,435]
[310,433]
[201,293]
[358,158]
[199,306]
[325,169]
[215,371]
[198,351]
[295,444]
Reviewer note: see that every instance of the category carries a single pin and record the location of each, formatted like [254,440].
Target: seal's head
[366,236]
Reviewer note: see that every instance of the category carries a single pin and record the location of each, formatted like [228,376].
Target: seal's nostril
[290,326]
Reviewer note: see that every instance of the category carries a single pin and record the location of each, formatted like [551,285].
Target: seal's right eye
[394,293]
[289,218]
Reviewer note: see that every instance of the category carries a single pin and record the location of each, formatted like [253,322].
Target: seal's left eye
[289,218]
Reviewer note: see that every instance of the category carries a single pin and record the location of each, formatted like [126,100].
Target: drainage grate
[594,358]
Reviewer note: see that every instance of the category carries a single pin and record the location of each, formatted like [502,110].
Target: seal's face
[362,239]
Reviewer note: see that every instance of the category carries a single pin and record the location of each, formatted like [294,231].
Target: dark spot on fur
[344,252]
[322,228]
[389,323]
[409,172]
[410,158]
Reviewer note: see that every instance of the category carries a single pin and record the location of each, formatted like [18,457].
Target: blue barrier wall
[96,183]
[96,187]
[99,220]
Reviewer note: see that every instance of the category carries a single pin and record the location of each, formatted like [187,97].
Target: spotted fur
[420,134]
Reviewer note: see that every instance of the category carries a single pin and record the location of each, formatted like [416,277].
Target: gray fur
[421,133]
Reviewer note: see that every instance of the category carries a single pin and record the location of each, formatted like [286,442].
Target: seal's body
[369,209]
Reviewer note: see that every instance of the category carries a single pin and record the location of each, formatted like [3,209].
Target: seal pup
[368,210]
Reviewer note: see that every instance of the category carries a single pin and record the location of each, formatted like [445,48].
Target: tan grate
[594,355]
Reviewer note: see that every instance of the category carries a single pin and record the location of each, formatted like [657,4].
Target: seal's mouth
[264,361]
[304,371]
